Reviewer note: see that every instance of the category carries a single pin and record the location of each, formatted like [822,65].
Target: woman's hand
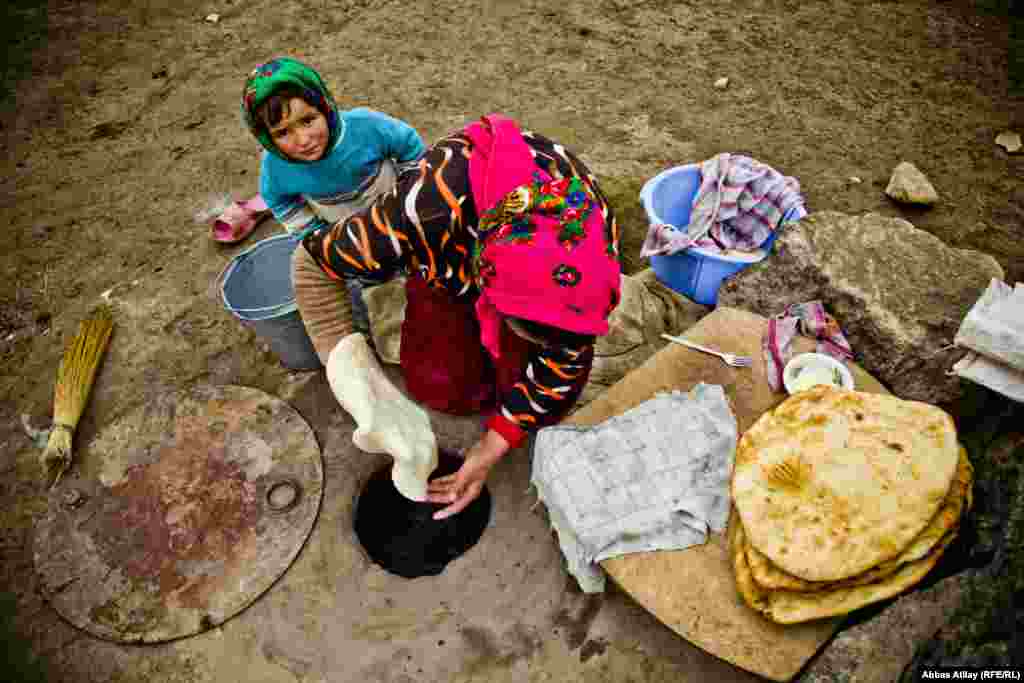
[462,488]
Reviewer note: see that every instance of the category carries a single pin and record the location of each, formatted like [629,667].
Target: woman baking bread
[511,253]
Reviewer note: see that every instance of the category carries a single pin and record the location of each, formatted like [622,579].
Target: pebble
[73,498]
[722,83]
[41,232]
[909,186]
[213,18]
[1009,141]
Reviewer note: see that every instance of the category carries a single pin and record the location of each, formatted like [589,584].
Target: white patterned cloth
[740,202]
[653,478]
[993,330]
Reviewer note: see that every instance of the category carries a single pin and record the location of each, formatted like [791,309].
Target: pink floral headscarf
[542,253]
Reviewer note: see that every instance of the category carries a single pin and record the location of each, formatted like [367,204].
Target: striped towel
[811,319]
[739,203]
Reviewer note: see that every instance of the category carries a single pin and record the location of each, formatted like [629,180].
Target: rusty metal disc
[180,514]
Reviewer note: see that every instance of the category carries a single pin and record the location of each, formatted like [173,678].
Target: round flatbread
[834,482]
[752,594]
[769,576]
[792,607]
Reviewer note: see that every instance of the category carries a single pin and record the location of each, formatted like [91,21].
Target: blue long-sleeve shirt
[296,193]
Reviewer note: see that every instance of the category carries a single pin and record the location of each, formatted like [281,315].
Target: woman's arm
[551,382]
[369,244]
[366,245]
[323,303]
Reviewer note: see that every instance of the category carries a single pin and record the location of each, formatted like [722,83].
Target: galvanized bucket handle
[229,268]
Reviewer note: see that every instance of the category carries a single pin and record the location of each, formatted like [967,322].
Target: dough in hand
[386,420]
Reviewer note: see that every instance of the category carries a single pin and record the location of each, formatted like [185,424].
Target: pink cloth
[501,162]
[811,319]
[537,273]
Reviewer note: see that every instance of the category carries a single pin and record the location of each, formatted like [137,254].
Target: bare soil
[125,121]
[128,121]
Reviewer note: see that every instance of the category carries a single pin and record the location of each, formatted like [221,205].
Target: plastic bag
[994,332]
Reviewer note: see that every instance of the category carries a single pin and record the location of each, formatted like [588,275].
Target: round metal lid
[180,514]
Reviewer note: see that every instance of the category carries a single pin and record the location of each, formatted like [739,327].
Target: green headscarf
[267,79]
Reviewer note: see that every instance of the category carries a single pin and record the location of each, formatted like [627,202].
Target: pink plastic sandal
[239,220]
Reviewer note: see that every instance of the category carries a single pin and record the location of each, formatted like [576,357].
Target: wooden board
[692,591]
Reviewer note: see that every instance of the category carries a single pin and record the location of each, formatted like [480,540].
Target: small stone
[41,232]
[855,180]
[213,18]
[722,83]
[73,498]
[909,186]
[1009,141]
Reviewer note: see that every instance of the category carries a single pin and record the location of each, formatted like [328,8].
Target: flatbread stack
[841,499]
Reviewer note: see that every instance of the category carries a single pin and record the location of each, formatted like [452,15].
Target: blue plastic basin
[696,273]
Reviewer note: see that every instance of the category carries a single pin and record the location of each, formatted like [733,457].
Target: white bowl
[836,373]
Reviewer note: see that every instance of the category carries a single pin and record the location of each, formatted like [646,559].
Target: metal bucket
[256,287]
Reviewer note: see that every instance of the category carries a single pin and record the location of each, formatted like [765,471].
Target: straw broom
[75,377]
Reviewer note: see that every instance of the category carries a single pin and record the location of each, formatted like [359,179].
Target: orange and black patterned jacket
[427,227]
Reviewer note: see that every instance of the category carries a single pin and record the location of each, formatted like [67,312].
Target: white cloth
[387,421]
[995,375]
[994,331]
[653,478]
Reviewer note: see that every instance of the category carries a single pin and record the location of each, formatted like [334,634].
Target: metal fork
[728,358]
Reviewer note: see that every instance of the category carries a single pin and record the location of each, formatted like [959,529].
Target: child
[320,164]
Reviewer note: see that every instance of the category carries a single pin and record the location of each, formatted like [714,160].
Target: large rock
[987,626]
[899,293]
[881,648]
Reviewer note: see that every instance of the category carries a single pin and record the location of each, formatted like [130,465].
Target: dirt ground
[128,123]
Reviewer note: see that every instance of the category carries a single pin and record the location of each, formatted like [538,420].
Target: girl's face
[302,132]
